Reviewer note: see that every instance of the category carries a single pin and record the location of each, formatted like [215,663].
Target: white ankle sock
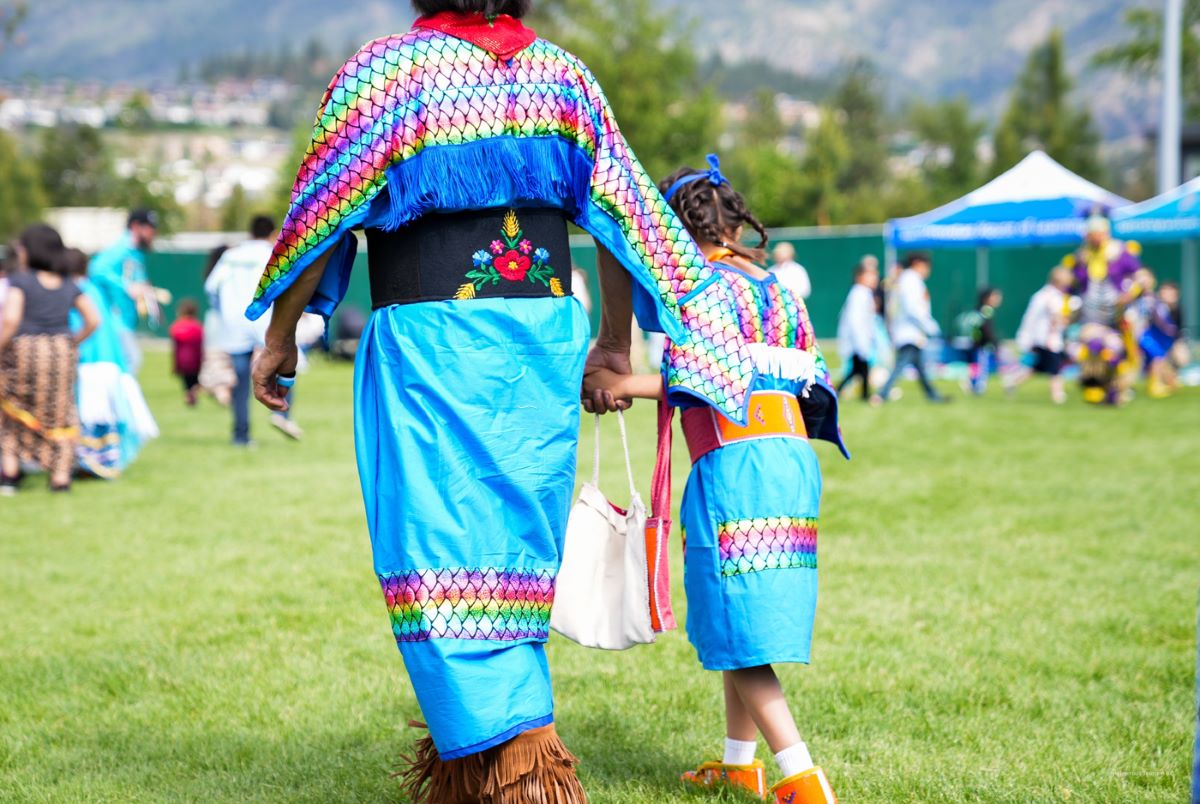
[794,760]
[739,752]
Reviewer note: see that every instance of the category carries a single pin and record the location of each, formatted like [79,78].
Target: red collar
[503,36]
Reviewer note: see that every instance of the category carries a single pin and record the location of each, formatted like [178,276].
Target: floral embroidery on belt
[511,258]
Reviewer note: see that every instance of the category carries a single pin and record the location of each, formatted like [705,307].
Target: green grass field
[1008,614]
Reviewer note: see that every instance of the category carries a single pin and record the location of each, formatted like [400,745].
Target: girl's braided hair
[714,213]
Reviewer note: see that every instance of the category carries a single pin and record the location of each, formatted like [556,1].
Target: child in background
[187,335]
[976,339]
[1042,334]
[1158,340]
[751,505]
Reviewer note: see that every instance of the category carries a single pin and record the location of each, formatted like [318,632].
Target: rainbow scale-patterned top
[425,122]
[777,348]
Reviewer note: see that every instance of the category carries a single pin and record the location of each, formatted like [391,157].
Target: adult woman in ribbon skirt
[464,147]
[752,501]
[114,419]
[38,357]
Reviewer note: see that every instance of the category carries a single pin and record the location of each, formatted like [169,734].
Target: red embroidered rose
[512,266]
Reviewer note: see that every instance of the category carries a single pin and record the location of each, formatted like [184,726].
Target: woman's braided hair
[489,8]
[713,214]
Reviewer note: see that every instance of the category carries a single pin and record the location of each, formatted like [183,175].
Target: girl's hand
[275,359]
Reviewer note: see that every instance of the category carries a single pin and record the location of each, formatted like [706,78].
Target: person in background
[977,335]
[3,290]
[122,281]
[856,326]
[114,419]
[230,288]
[912,326]
[1108,280]
[38,357]
[217,376]
[1041,335]
[1158,341]
[187,338]
[13,263]
[791,274]
[579,286]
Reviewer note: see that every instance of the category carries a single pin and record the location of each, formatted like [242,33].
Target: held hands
[602,374]
[275,359]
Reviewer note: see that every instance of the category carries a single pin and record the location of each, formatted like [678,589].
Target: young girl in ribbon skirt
[752,501]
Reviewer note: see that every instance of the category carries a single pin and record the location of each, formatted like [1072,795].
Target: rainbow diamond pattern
[403,94]
[458,603]
[764,543]
[725,316]
[790,327]
[715,360]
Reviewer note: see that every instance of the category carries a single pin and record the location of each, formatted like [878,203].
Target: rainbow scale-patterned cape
[425,122]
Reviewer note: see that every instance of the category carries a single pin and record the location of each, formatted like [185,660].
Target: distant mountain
[925,48]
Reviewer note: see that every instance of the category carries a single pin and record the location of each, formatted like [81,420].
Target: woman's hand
[276,359]
[598,399]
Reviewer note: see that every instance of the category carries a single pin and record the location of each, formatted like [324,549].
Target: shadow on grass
[617,761]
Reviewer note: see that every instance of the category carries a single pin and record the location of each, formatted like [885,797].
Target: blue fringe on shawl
[546,171]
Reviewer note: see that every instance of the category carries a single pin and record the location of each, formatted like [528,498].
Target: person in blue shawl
[463,148]
[114,419]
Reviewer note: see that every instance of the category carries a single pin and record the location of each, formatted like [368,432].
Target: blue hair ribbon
[713,174]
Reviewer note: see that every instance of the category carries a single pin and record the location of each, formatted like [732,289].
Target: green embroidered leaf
[484,276]
[540,272]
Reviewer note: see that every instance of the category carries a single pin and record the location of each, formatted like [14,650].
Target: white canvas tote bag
[602,598]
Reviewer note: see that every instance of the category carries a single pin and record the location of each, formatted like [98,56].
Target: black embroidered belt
[493,253]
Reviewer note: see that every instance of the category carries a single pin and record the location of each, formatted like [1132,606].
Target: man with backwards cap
[119,273]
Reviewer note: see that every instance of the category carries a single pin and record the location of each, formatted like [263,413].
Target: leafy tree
[235,212]
[770,179]
[77,169]
[764,126]
[947,128]
[825,165]
[859,99]
[21,196]
[645,62]
[136,114]
[1040,115]
[1141,55]
[146,188]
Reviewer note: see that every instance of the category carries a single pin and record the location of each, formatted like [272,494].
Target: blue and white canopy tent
[1172,216]
[1038,202]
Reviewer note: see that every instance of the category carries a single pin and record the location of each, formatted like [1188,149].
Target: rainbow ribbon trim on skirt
[459,603]
[765,543]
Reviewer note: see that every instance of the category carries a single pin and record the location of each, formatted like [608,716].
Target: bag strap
[660,492]
[624,445]
[596,454]
[628,463]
